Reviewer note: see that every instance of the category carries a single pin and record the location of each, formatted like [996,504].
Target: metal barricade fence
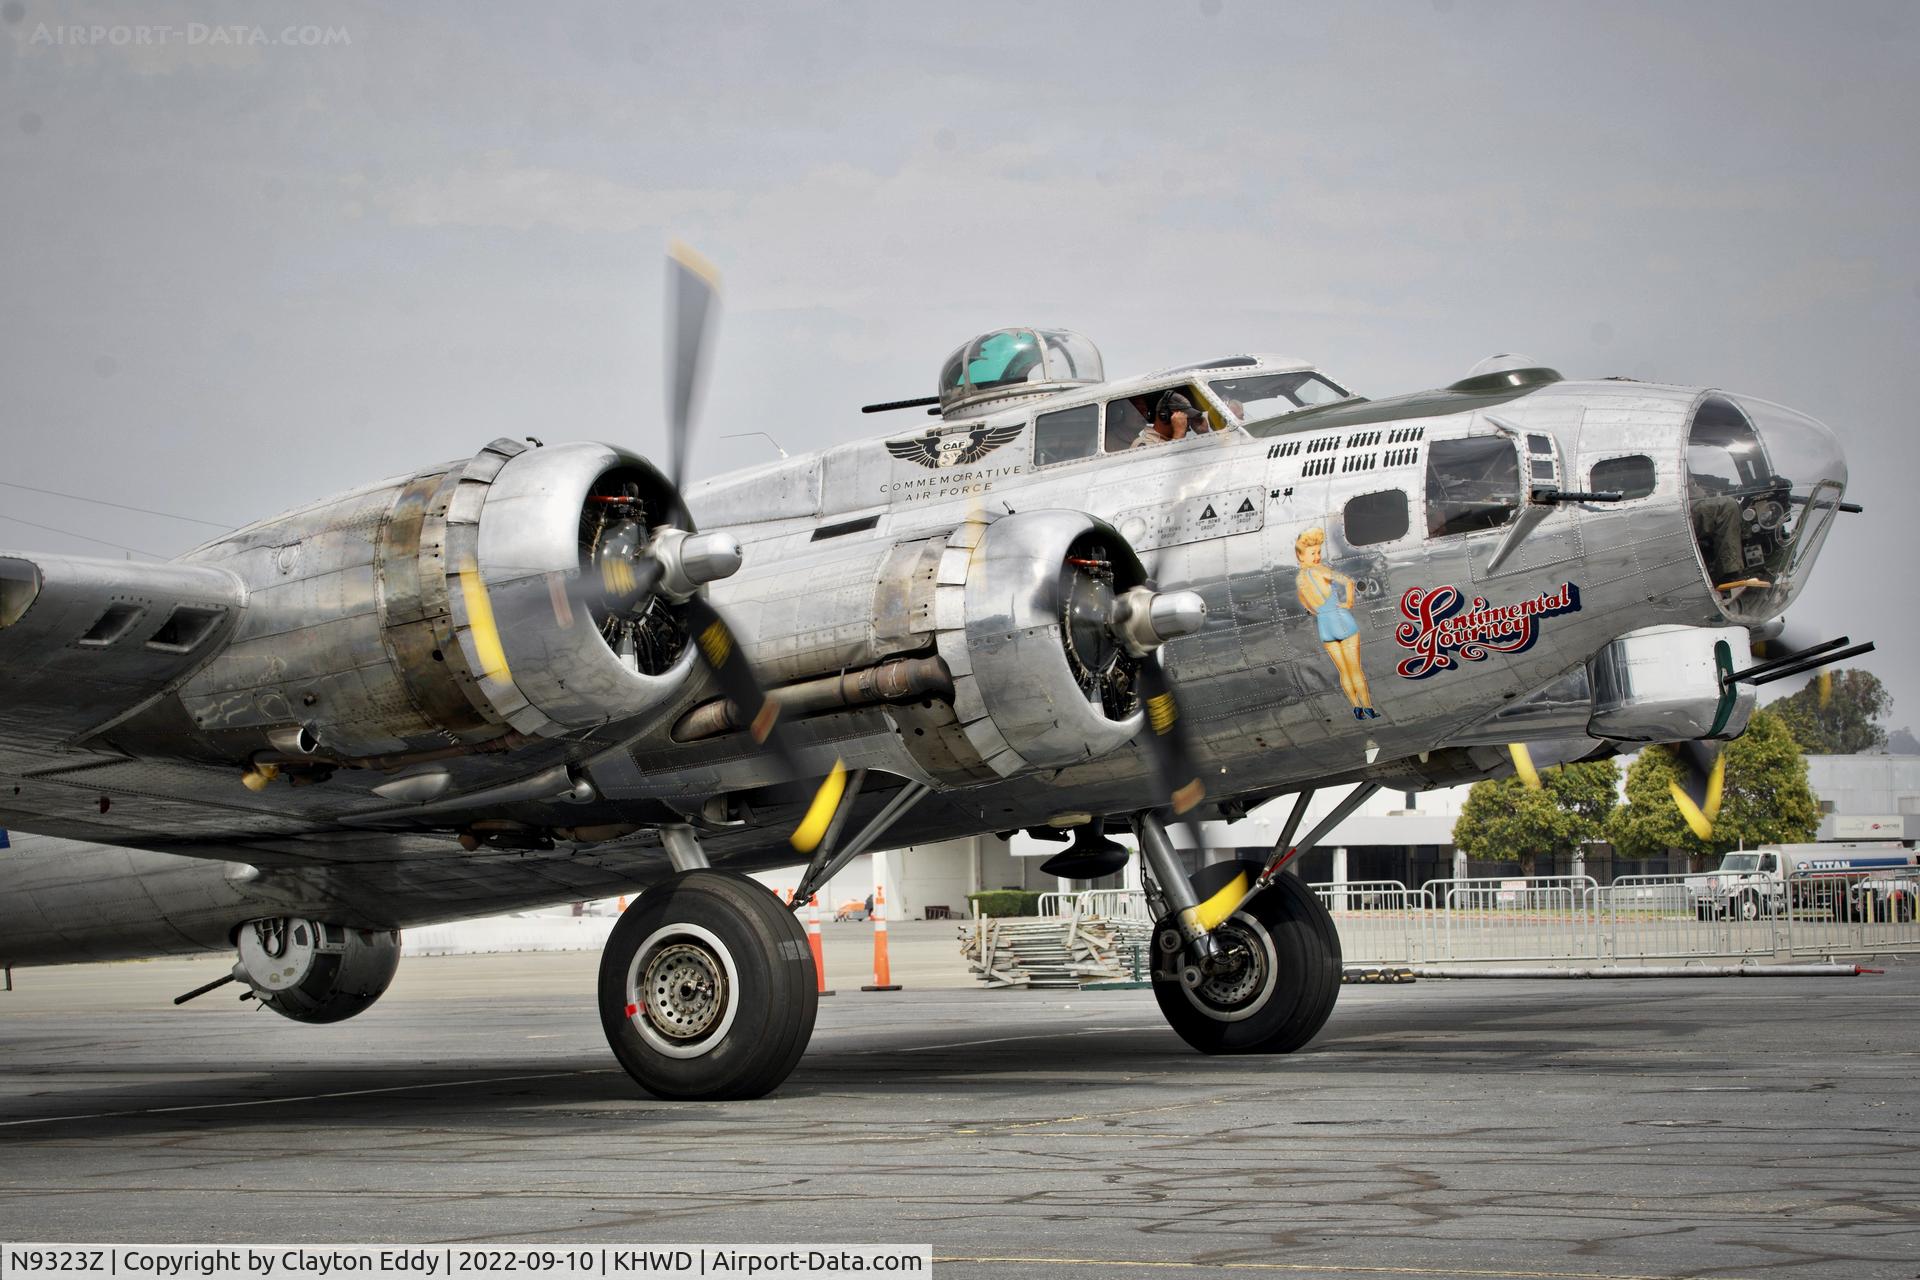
[1379,921]
[1653,917]
[1852,913]
[1116,904]
[1637,918]
[1511,918]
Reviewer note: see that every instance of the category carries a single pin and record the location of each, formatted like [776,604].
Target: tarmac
[1570,1129]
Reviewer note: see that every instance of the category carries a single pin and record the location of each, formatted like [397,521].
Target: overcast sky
[256,253]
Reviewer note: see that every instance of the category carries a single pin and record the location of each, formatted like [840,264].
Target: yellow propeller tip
[687,256]
[1188,796]
[826,801]
[762,726]
[1697,822]
[1523,765]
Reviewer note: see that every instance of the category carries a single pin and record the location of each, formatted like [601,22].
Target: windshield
[1740,862]
[1269,395]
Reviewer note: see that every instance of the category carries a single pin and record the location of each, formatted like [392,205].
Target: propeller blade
[1523,765]
[1167,739]
[820,810]
[1698,791]
[718,649]
[693,295]
[715,643]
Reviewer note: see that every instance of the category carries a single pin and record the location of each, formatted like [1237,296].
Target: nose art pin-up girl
[1319,589]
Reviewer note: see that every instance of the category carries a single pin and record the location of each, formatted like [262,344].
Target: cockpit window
[1130,419]
[1066,434]
[1472,484]
[1270,395]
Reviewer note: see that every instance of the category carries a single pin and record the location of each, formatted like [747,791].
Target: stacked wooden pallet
[1055,951]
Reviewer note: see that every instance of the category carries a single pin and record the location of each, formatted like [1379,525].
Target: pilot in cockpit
[1172,418]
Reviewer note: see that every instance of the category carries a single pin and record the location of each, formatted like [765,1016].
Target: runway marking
[969,1044]
[1310,1268]
[305,1097]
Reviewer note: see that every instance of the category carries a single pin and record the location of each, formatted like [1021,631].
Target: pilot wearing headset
[1172,419]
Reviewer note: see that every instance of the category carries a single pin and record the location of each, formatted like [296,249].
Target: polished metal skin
[1647,685]
[1320,625]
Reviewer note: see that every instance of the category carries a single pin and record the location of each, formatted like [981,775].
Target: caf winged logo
[953,449]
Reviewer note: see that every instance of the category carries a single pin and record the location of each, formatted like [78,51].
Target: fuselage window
[1472,484]
[1376,517]
[1630,477]
[1066,434]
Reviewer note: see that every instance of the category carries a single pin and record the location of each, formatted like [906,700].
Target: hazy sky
[254,253]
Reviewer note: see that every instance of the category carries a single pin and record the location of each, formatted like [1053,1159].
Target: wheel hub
[1241,980]
[686,988]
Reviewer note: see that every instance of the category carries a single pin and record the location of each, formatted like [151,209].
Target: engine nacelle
[438,613]
[1027,609]
[311,971]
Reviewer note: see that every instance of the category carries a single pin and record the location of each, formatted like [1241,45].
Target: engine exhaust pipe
[897,680]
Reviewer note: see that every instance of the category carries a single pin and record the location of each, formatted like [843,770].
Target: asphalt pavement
[1604,1128]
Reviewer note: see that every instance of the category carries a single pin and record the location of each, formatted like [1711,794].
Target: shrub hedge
[1005,902]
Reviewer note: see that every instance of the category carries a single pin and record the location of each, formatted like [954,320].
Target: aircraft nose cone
[1764,483]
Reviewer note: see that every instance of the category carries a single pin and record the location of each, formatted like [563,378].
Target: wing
[920,449]
[86,643]
[986,440]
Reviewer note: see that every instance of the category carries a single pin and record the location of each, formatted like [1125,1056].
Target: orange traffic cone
[882,976]
[813,941]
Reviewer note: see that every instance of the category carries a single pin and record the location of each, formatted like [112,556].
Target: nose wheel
[707,988]
[1272,983]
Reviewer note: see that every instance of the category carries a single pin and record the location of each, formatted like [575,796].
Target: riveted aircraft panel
[1209,515]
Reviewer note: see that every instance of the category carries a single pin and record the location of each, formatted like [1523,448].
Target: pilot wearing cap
[1171,419]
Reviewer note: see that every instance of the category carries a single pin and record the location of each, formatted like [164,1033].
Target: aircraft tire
[707,988]
[1277,1008]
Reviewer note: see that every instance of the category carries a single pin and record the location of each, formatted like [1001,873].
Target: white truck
[1844,880]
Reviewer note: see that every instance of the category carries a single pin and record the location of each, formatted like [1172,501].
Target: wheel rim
[1242,992]
[682,990]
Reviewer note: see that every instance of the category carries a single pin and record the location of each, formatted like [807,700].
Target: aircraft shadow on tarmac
[1393,1036]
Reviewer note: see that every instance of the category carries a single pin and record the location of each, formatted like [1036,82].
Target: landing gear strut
[707,988]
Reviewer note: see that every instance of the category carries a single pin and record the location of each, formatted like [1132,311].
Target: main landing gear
[707,989]
[1235,973]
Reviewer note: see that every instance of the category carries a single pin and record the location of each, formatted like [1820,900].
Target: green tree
[1765,799]
[1835,716]
[1504,820]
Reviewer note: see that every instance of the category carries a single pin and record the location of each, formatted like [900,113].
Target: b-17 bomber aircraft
[546,673]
